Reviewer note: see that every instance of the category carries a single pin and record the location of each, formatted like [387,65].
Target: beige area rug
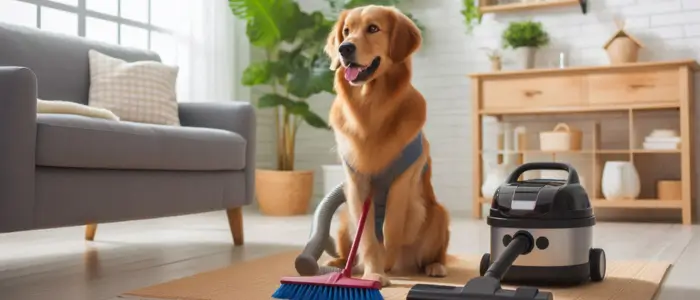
[258,279]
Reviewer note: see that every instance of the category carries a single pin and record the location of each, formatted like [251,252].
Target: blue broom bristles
[320,292]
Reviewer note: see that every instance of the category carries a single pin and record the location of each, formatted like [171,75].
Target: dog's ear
[405,38]
[335,37]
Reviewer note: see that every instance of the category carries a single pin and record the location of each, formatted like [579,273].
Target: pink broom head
[334,280]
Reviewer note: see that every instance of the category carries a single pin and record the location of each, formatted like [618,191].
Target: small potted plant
[495,58]
[525,38]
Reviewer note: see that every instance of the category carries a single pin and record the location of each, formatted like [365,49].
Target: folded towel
[670,139]
[72,108]
[661,145]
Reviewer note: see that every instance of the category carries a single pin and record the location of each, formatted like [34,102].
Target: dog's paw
[436,270]
[336,262]
[378,277]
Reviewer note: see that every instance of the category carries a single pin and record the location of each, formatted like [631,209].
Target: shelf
[530,6]
[641,151]
[601,151]
[639,203]
[596,69]
[615,107]
[579,109]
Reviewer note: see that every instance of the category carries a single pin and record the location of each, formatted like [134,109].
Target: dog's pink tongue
[351,73]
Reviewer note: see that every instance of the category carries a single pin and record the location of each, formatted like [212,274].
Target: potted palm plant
[525,38]
[294,69]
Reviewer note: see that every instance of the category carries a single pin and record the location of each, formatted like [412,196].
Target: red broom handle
[356,242]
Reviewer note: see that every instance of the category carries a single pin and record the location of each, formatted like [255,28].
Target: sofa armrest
[18,93]
[235,116]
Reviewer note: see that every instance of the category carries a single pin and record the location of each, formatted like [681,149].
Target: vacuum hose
[521,243]
[306,263]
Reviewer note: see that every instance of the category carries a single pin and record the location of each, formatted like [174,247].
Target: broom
[334,286]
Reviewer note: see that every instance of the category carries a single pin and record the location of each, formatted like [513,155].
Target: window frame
[83,13]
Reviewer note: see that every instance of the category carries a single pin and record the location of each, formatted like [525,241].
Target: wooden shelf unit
[633,90]
[485,6]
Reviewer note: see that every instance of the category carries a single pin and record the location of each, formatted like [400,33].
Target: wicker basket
[561,138]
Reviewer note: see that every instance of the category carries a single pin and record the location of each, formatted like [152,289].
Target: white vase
[525,56]
[332,176]
[620,180]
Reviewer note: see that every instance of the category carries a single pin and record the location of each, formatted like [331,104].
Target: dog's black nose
[346,49]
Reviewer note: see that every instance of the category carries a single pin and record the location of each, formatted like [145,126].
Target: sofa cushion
[143,91]
[83,142]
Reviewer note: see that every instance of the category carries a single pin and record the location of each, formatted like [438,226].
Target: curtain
[204,32]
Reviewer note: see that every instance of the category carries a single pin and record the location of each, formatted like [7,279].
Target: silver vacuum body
[558,216]
[555,247]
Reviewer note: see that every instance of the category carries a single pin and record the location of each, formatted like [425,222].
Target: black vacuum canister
[558,215]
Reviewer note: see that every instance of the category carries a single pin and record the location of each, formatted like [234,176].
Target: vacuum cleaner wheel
[596,259]
[484,264]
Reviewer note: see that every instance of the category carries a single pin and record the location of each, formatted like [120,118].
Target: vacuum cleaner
[541,235]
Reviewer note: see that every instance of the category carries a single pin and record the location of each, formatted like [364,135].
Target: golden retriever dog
[377,113]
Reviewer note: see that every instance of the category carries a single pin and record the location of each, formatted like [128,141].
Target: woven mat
[258,279]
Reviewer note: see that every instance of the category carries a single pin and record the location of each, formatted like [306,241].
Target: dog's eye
[346,31]
[372,28]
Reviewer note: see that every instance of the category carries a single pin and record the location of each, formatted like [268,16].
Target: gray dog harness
[381,182]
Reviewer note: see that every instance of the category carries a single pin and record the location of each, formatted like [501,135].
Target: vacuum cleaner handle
[572,179]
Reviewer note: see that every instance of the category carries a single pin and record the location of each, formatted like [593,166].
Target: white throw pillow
[142,91]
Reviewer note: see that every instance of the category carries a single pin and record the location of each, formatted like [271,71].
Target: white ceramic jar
[620,181]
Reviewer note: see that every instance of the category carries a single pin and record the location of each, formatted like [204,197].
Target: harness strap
[381,183]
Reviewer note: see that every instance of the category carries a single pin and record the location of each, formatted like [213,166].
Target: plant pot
[496,64]
[525,56]
[332,176]
[284,193]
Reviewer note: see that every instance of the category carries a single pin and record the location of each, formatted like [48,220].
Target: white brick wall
[670,29]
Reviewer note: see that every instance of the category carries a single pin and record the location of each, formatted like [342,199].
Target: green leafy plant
[295,67]
[525,34]
[471,14]
[492,53]
[338,5]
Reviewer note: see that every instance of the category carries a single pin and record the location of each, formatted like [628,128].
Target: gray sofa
[66,170]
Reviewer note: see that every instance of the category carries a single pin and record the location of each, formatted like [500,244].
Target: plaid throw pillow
[142,91]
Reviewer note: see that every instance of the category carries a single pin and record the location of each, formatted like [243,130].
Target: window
[18,13]
[132,23]
[58,21]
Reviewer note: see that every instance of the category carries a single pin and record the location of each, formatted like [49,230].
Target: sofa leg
[235,223]
[90,230]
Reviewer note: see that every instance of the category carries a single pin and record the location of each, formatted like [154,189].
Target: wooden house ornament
[622,47]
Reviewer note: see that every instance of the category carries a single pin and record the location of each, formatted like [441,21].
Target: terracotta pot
[284,193]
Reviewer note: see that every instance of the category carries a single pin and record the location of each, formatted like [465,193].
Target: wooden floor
[59,264]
